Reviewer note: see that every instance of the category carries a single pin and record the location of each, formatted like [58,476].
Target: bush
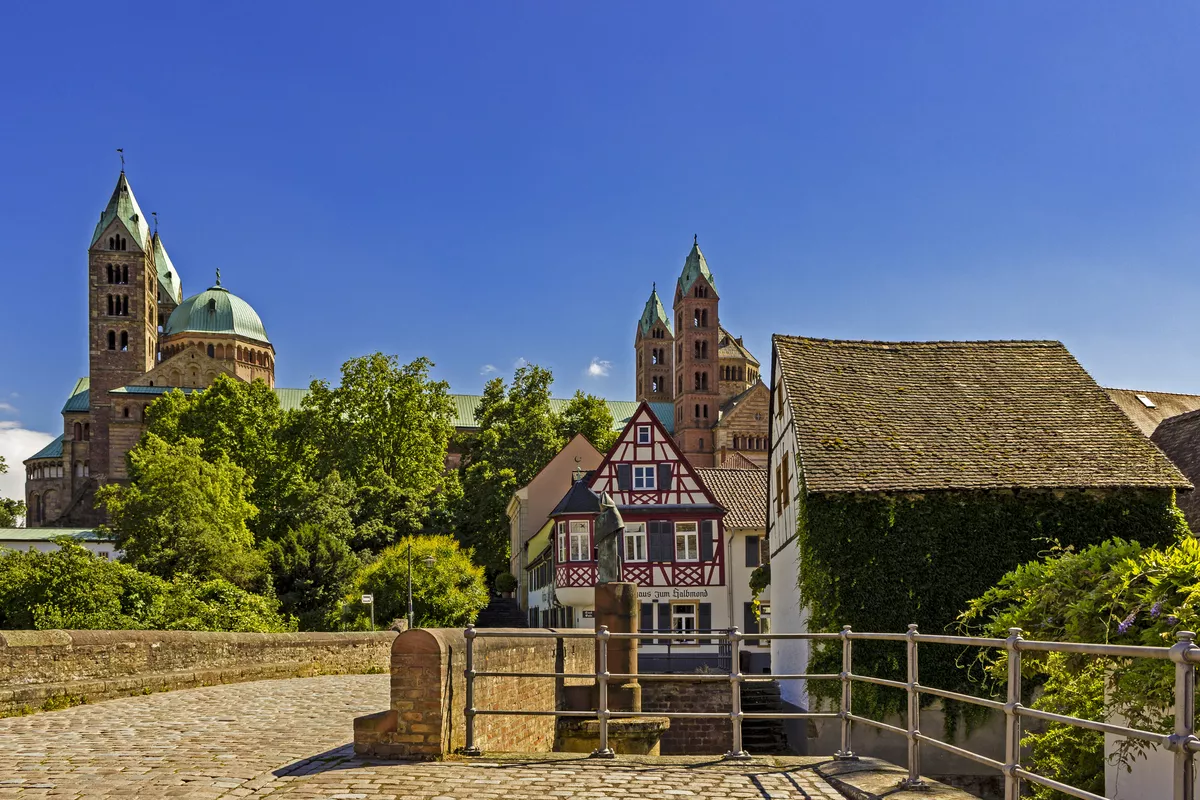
[505,582]
[450,593]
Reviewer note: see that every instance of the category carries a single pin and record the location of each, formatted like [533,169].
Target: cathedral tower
[122,312]
[653,345]
[697,382]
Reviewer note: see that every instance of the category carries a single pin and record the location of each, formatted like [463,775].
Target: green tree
[383,417]
[312,568]
[589,415]
[10,510]
[75,589]
[181,514]
[518,435]
[447,594]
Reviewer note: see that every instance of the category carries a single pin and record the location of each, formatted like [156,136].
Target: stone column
[617,607]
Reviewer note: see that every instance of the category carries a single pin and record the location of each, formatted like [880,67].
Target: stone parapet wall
[691,735]
[428,694]
[51,669]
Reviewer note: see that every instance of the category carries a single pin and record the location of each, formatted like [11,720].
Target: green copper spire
[123,206]
[654,312]
[168,278]
[693,268]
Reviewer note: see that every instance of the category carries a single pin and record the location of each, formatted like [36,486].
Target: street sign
[368,599]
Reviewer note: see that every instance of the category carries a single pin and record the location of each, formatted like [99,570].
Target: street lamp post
[429,561]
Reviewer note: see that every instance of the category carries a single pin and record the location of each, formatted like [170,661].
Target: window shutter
[661,543]
[664,620]
[645,619]
[752,559]
[704,620]
[751,624]
[708,539]
[624,477]
[664,476]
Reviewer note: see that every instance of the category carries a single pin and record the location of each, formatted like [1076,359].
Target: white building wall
[787,656]
[103,549]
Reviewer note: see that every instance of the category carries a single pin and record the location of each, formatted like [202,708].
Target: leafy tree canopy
[589,415]
[181,514]
[450,593]
[312,568]
[10,510]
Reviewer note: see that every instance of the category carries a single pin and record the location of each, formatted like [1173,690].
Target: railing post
[1184,777]
[735,681]
[913,781]
[471,749]
[1012,727]
[602,636]
[846,752]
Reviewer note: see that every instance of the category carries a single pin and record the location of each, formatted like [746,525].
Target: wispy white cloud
[487,369]
[520,362]
[599,368]
[7,408]
[16,445]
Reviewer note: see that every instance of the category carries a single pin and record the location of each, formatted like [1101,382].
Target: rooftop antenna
[121,150]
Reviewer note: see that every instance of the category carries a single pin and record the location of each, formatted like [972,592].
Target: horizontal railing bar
[1193,744]
[782,636]
[876,724]
[689,635]
[880,682]
[958,751]
[1160,739]
[970,641]
[791,715]
[1114,650]
[671,714]
[667,676]
[1052,784]
[964,698]
[481,674]
[496,712]
[510,633]
[878,637]
[803,676]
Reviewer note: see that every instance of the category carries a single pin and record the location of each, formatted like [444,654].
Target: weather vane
[121,150]
[155,215]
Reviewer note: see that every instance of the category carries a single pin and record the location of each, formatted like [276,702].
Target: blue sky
[487,182]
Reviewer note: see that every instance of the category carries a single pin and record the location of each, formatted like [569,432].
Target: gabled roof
[653,312]
[914,416]
[743,493]
[123,206]
[168,278]
[728,346]
[733,402]
[1179,438]
[693,267]
[735,460]
[52,450]
[1165,406]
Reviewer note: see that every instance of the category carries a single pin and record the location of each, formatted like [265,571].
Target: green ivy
[878,562]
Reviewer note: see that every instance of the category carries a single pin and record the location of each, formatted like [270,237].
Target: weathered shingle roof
[1165,406]
[729,346]
[1179,438]
[914,416]
[743,493]
[735,460]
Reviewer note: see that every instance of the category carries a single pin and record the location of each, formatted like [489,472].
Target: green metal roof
[47,534]
[693,268]
[123,206]
[290,399]
[168,278]
[78,400]
[216,310]
[653,312]
[466,407]
[52,450]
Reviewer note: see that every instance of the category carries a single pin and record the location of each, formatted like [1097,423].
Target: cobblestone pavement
[289,739]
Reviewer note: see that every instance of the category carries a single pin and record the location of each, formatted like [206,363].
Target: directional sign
[368,599]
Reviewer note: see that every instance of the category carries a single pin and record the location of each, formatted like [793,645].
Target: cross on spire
[121,150]
[218,276]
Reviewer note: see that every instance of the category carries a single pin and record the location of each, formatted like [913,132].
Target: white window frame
[681,613]
[635,542]
[687,534]
[562,542]
[643,433]
[581,540]
[645,477]
[764,619]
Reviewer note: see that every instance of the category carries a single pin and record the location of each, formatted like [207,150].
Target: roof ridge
[1149,391]
[928,343]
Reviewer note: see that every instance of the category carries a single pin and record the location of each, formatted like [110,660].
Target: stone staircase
[765,737]
[502,612]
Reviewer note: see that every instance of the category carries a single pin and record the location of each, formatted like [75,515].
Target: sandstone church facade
[144,338]
[712,380]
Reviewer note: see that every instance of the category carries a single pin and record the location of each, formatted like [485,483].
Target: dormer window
[643,431]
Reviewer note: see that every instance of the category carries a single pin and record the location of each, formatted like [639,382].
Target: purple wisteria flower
[1155,610]
[1127,622]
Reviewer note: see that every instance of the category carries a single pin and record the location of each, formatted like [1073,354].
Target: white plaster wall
[1149,776]
[99,548]
[739,581]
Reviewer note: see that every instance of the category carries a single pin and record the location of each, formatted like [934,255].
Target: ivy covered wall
[878,562]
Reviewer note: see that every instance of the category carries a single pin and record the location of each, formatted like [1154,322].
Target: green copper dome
[216,310]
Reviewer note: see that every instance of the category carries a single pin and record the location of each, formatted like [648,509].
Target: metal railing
[1182,742]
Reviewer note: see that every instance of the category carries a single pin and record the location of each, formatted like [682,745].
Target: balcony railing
[1182,742]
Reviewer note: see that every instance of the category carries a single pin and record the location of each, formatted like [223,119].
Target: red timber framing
[655,486]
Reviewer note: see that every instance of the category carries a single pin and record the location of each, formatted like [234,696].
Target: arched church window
[706,410]
[125,306]
[125,412]
[212,351]
[78,432]
[697,412]
[87,470]
[87,431]
[124,273]
[112,340]
[124,341]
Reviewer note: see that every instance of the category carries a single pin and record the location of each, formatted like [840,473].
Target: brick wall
[691,736]
[426,718]
[43,668]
